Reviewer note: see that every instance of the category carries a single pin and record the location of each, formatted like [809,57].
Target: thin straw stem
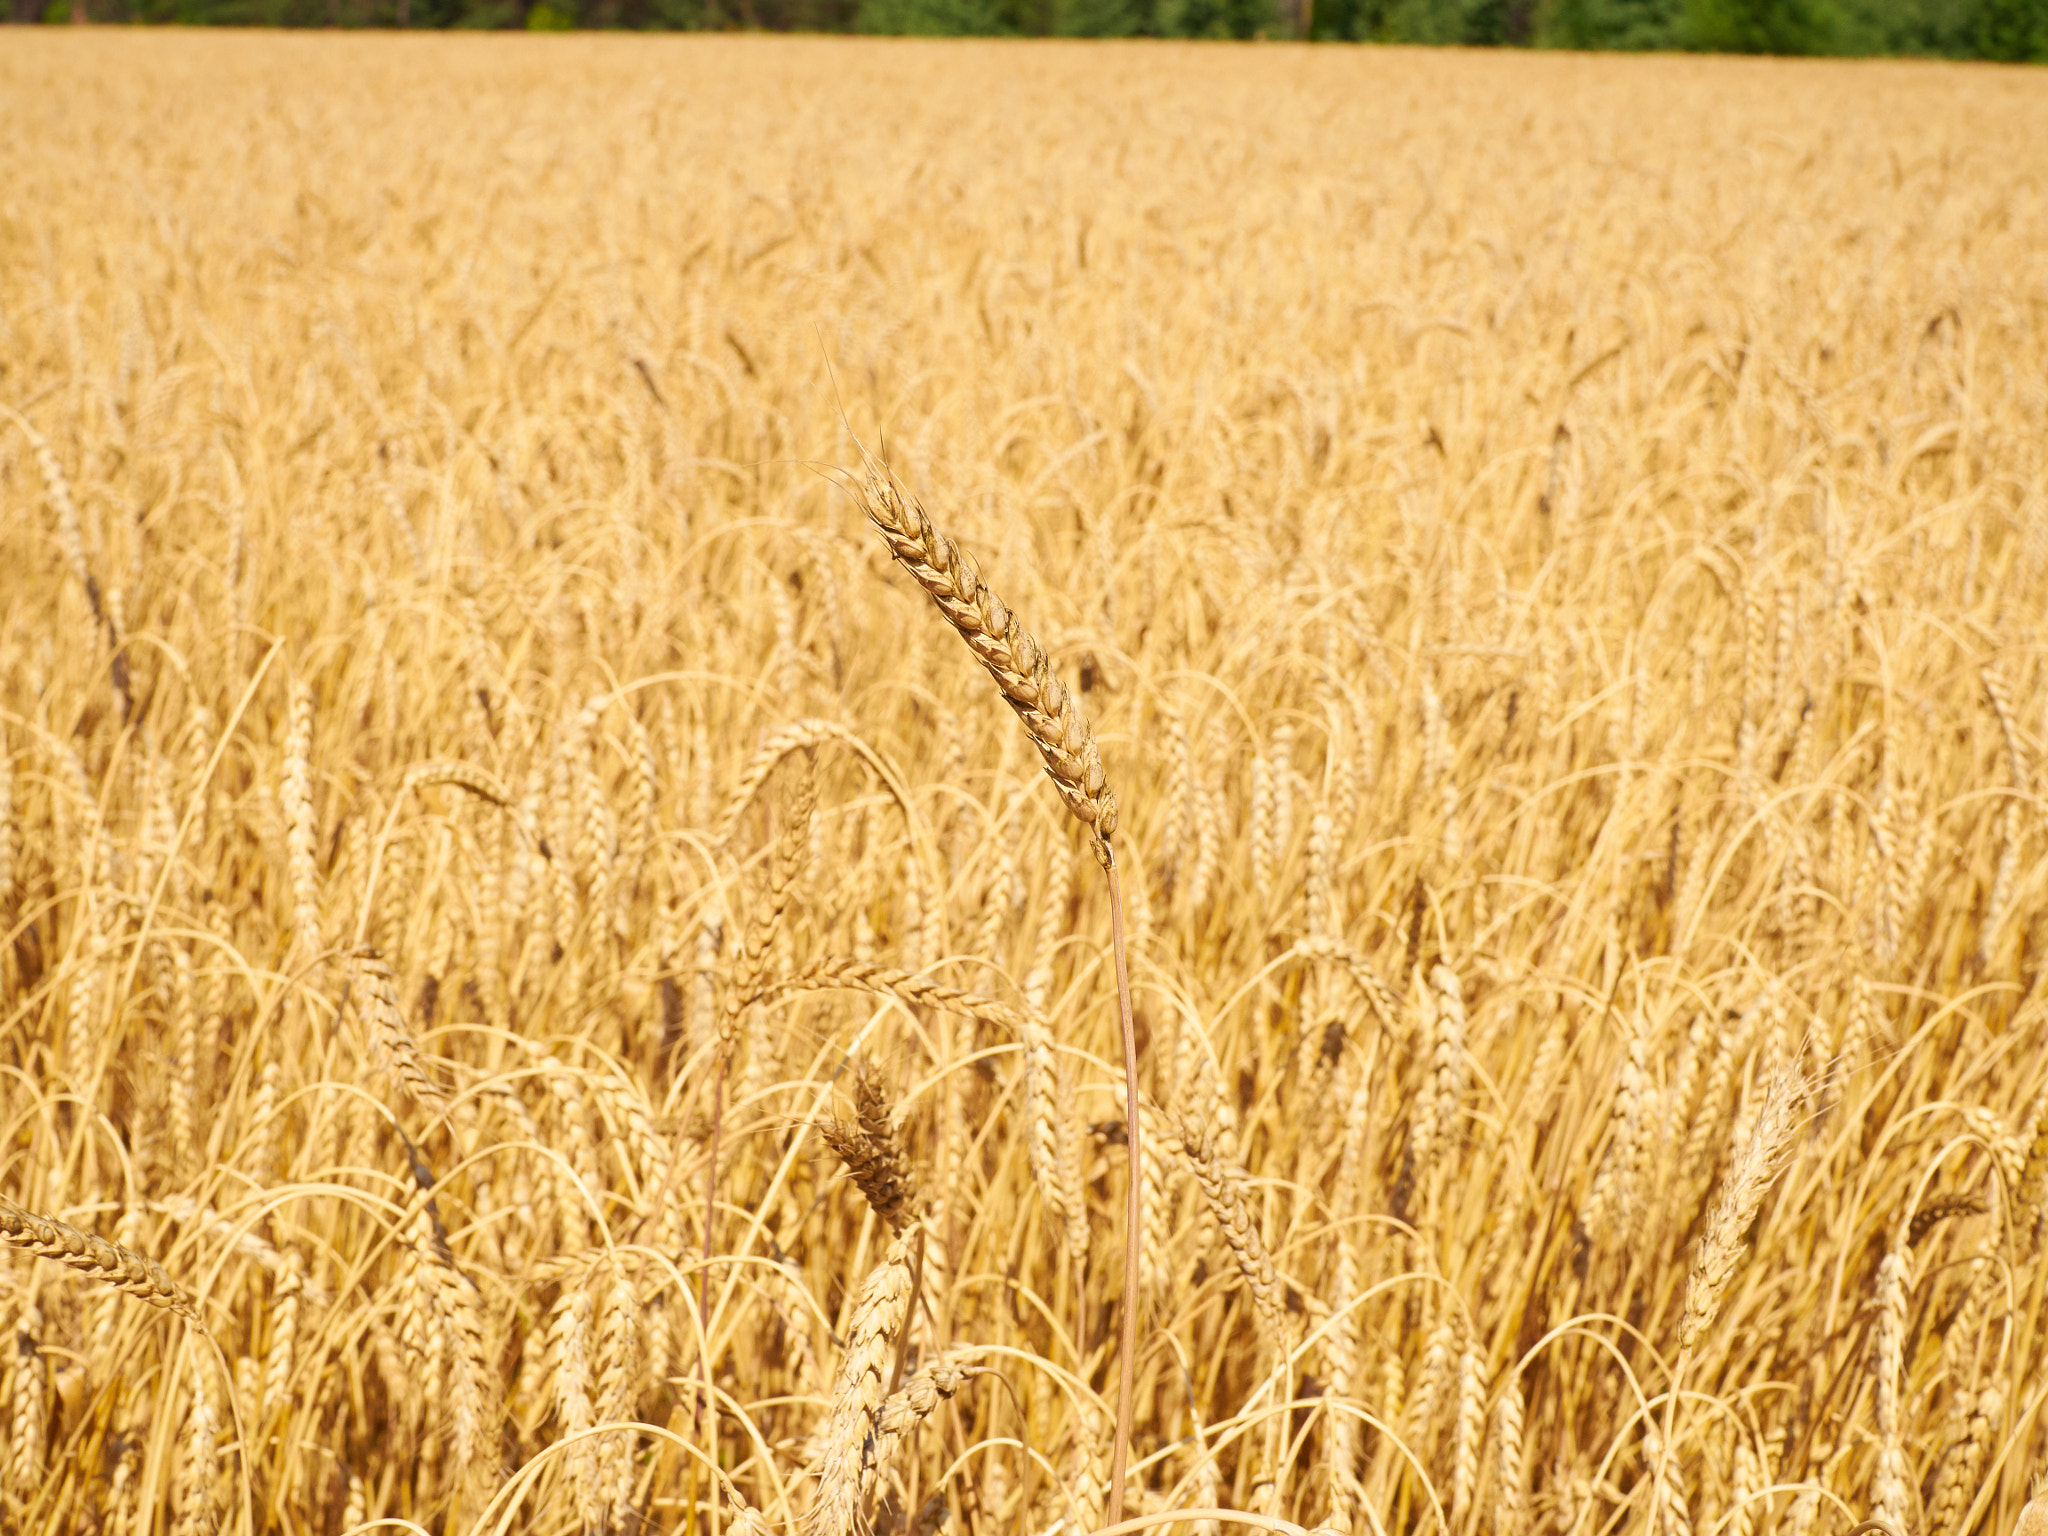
[1127,1348]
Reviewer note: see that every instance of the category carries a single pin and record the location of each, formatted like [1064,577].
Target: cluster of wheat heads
[527,938]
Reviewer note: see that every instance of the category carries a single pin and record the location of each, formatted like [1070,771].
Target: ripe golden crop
[524,937]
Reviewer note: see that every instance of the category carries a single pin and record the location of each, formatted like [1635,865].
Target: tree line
[2007,30]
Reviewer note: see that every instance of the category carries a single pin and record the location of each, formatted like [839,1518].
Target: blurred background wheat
[1553,551]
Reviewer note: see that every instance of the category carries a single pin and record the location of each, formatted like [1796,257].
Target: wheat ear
[10,836]
[873,1154]
[391,1037]
[1890,1482]
[849,1440]
[1066,745]
[302,832]
[1734,1209]
[1470,1429]
[1013,658]
[1720,1251]
[95,1257]
[575,1388]
[1223,1184]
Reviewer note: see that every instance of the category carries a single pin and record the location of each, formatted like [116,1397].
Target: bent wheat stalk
[1066,745]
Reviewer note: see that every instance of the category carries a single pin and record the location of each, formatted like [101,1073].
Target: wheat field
[568,991]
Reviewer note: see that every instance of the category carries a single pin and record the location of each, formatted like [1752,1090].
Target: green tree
[930,18]
[1609,24]
[1214,18]
[2014,31]
[1759,26]
[1100,18]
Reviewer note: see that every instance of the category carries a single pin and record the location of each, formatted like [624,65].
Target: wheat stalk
[1066,746]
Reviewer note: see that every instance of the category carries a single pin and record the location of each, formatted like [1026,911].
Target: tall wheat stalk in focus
[1066,745]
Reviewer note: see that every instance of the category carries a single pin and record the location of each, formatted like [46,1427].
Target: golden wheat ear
[1014,659]
[1066,745]
[94,1257]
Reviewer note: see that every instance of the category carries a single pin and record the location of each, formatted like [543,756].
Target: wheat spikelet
[1734,1209]
[1747,1481]
[1262,830]
[1437,774]
[30,1405]
[565,899]
[702,1001]
[847,1444]
[1178,796]
[1088,1466]
[94,1257]
[1223,1185]
[1342,1436]
[596,840]
[1378,995]
[1470,1429]
[1001,902]
[916,921]
[1049,1138]
[1893,820]
[193,1494]
[2000,697]
[472,1400]
[303,832]
[1750,724]
[1210,814]
[284,1325]
[1013,658]
[1420,1409]
[70,532]
[2033,1520]
[10,838]
[918,1398]
[574,1390]
[456,773]
[1443,1026]
[392,1042]
[747,1520]
[641,821]
[1962,1468]
[627,1116]
[1612,1203]
[2004,877]
[618,1376]
[1155,1202]
[1890,1490]
[355,1509]
[184,1085]
[892,981]
[873,1154]
[1285,783]
[1510,1498]
[751,961]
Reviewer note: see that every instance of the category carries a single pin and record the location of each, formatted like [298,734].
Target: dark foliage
[2012,31]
